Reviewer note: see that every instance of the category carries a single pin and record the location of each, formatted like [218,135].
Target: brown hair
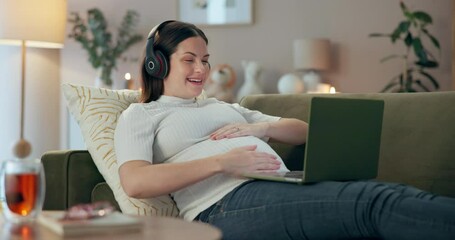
[167,38]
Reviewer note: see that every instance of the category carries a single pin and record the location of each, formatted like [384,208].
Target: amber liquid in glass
[21,192]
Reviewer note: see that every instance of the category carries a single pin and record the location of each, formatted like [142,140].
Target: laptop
[343,142]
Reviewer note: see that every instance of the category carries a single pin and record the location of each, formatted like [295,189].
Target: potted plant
[94,37]
[417,58]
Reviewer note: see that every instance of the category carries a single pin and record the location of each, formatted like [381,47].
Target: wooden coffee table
[157,228]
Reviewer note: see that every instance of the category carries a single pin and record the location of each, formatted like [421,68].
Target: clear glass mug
[22,188]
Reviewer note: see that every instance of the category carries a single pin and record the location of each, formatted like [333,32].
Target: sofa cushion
[96,110]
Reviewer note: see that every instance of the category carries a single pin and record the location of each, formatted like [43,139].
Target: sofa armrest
[102,192]
[71,176]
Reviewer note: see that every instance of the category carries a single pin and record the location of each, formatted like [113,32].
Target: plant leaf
[405,11]
[419,50]
[389,86]
[379,35]
[430,56]
[420,84]
[390,57]
[408,40]
[423,17]
[428,64]
[404,26]
[431,78]
[401,28]
[432,38]
[125,37]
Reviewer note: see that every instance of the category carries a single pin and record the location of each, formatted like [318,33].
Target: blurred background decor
[251,84]
[215,12]
[220,83]
[289,84]
[416,58]
[104,51]
[312,56]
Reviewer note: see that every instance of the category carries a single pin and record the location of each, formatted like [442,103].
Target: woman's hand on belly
[286,130]
[246,159]
[258,130]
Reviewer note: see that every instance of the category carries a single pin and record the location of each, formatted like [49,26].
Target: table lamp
[31,24]
[311,56]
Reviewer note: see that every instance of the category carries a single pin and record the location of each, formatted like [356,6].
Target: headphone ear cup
[156,65]
[150,65]
[163,65]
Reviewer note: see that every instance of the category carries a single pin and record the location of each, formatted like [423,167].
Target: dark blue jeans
[332,210]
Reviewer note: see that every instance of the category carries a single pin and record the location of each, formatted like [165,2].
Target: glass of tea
[22,189]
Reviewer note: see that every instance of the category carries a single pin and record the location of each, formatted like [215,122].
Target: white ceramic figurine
[251,82]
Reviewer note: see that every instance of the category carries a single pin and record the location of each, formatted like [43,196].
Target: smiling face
[189,69]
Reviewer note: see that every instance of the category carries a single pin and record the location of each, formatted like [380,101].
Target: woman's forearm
[288,130]
[141,179]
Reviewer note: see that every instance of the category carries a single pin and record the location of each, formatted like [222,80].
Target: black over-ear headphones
[155,62]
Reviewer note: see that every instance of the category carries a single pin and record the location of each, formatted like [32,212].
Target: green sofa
[417,146]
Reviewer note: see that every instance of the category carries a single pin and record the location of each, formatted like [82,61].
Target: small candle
[323,88]
[129,81]
[127,76]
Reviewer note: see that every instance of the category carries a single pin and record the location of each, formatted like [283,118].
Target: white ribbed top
[172,130]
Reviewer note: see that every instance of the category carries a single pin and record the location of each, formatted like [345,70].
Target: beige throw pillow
[96,110]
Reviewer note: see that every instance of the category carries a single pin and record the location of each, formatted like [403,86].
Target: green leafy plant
[94,37]
[411,32]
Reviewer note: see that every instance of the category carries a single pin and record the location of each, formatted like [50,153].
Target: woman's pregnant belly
[209,147]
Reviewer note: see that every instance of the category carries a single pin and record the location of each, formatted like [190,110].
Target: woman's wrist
[215,164]
[268,129]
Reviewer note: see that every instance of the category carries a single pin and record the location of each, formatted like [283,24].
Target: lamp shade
[312,54]
[39,23]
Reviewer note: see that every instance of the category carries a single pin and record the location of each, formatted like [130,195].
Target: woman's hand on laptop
[246,159]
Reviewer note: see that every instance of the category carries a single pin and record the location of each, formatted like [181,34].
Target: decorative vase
[100,83]
[251,84]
